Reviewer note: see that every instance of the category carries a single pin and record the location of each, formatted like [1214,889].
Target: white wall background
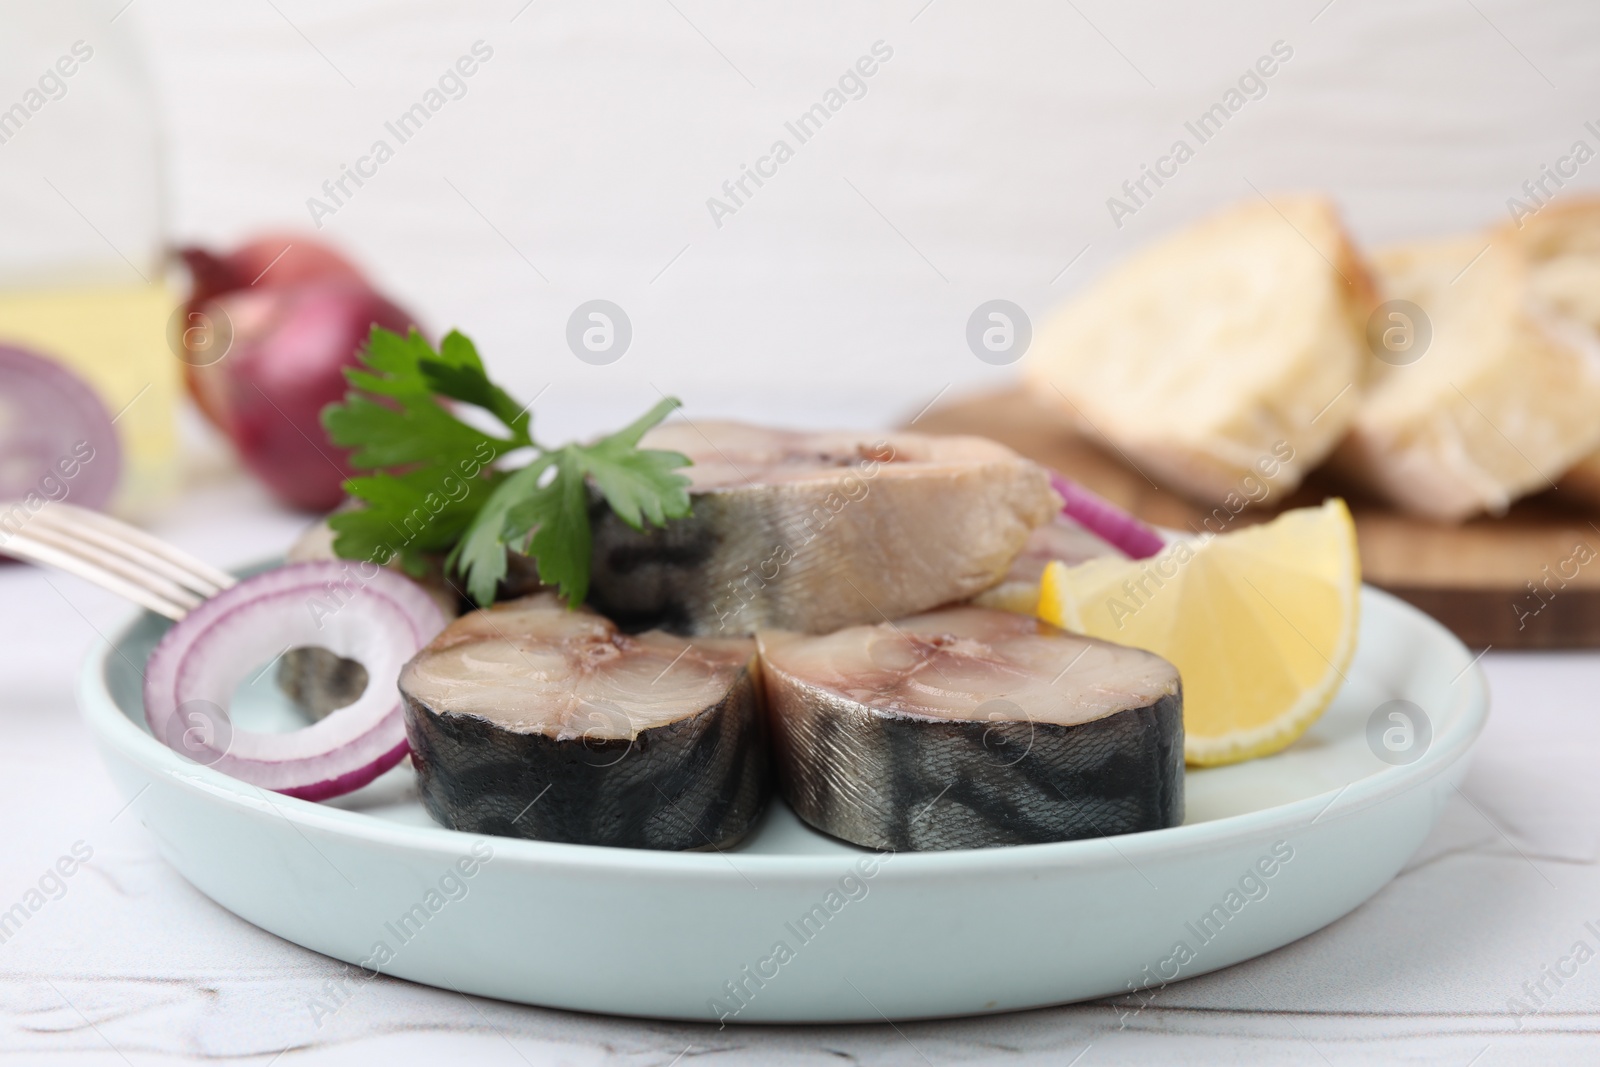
[980,159]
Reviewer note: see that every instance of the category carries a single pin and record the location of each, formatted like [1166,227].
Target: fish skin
[971,728]
[320,682]
[699,782]
[912,523]
[896,782]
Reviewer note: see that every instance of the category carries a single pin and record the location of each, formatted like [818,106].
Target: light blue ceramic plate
[796,927]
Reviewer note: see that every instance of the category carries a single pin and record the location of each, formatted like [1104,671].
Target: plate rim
[114,729]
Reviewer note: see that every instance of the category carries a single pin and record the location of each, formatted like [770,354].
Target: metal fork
[115,556]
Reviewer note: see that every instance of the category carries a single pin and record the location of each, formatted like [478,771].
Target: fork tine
[198,574]
[25,547]
[112,537]
[64,540]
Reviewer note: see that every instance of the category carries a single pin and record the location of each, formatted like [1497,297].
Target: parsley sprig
[435,486]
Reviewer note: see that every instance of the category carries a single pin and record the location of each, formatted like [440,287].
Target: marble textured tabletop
[126,963]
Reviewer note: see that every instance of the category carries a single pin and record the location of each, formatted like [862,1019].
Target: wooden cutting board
[1528,579]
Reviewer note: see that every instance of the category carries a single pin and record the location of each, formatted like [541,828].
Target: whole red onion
[271,261]
[273,356]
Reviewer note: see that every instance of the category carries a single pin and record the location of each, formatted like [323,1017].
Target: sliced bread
[1229,352]
[1563,244]
[1504,399]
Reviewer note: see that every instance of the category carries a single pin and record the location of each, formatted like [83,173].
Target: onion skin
[271,261]
[286,364]
[297,319]
[349,783]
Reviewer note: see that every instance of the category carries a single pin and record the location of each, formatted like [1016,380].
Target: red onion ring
[56,437]
[1105,520]
[357,610]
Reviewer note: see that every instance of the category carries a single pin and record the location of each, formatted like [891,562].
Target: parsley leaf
[547,515]
[413,515]
[431,471]
[434,486]
[393,418]
[459,374]
[480,554]
[638,483]
[554,519]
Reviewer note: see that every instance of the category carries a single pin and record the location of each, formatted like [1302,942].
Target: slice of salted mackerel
[529,720]
[970,727]
[813,532]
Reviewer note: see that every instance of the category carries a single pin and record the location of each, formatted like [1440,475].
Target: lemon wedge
[1260,622]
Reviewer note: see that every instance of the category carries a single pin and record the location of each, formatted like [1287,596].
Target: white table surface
[132,965]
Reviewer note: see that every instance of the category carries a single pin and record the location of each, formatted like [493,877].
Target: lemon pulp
[1260,622]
